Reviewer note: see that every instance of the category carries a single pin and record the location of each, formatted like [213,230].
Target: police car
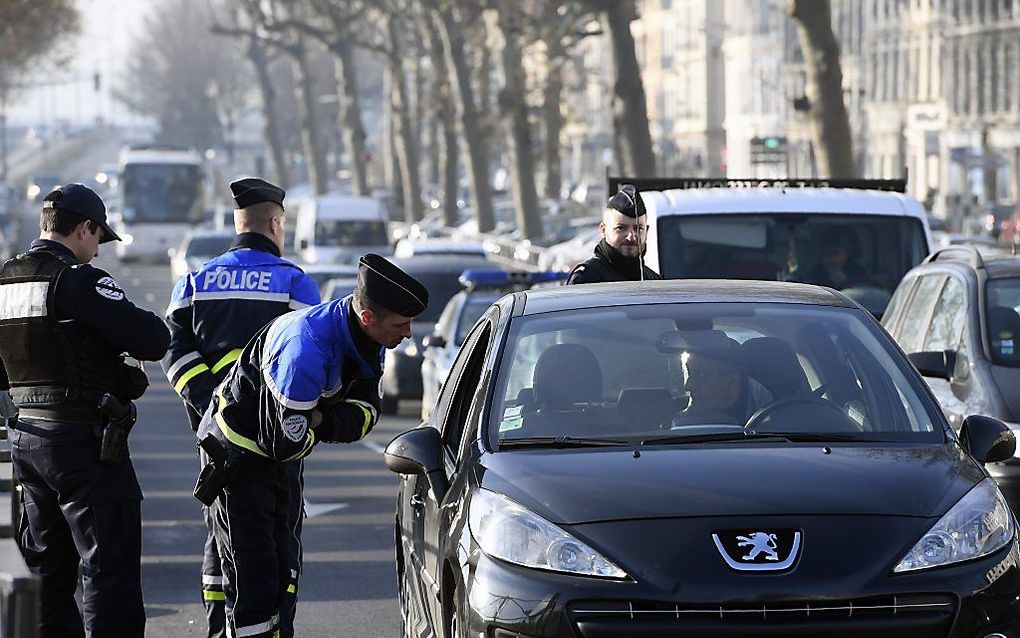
[858,236]
[481,289]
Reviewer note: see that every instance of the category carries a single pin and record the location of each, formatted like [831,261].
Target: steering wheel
[800,402]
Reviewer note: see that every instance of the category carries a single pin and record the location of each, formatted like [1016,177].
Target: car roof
[440,263]
[841,201]
[629,293]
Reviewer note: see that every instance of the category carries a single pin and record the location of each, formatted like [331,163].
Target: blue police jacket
[313,360]
[216,310]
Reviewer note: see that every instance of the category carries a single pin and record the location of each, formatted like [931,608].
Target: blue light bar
[475,278]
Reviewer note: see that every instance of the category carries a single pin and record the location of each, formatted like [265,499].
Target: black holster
[221,468]
[117,421]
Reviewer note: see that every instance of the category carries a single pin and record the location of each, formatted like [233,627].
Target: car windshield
[1002,299]
[162,193]
[863,255]
[341,232]
[442,286]
[208,246]
[669,371]
[469,314]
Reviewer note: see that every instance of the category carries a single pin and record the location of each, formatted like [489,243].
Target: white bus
[161,197]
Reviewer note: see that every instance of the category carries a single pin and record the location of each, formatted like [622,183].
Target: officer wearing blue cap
[64,326]
[309,376]
[213,313]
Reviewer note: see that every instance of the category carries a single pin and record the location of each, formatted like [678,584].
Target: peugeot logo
[758,550]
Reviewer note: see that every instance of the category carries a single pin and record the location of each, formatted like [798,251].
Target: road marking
[318,509]
[378,448]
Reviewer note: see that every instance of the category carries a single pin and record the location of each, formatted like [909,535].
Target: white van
[786,230]
[339,229]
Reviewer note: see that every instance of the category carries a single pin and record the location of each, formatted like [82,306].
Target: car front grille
[875,616]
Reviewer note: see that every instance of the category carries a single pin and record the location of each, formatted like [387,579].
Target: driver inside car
[714,377]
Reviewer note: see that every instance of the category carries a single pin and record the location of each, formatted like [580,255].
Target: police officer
[63,328]
[619,256]
[212,314]
[309,376]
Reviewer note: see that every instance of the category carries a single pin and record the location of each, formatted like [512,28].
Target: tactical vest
[49,363]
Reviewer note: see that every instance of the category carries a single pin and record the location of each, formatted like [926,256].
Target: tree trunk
[349,114]
[552,95]
[446,146]
[474,142]
[259,60]
[630,110]
[304,86]
[405,134]
[830,125]
[514,109]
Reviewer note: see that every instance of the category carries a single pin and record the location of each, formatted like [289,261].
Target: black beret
[249,191]
[390,287]
[81,200]
[627,201]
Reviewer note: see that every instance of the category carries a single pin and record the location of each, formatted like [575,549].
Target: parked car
[402,366]
[321,274]
[447,247]
[197,247]
[567,485]
[956,317]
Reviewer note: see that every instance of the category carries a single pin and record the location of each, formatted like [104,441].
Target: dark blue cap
[391,287]
[627,201]
[249,191]
[81,200]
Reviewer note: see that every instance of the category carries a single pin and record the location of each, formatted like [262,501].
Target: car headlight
[505,530]
[979,524]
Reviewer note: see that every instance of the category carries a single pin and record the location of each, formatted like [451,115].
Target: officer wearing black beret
[309,376]
[619,256]
[213,312]
[64,326]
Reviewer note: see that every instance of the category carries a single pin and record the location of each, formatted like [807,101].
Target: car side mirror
[419,451]
[434,340]
[987,439]
[304,244]
[939,364]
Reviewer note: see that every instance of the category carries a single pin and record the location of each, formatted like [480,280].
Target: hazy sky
[107,27]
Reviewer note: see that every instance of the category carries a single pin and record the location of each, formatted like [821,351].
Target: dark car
[402,366]
[581,478]
[956,317]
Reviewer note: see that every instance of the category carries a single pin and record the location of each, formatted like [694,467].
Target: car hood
[600,484]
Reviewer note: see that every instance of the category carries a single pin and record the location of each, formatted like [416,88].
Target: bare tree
[193,86]
[449,19]
[508,26]
[631,135]
[830,124]
[28,31]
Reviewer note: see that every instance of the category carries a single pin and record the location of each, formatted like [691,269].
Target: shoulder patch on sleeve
[295,426]
[109,288]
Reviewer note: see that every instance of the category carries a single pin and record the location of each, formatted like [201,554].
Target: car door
[449,417]
[947,330]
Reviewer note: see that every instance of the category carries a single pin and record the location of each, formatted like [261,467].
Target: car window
[948,319]
[450,383]
[892,315]
[464,390]
[917,311]
[639,371]
[474,307]
[1002,305]
[444,325]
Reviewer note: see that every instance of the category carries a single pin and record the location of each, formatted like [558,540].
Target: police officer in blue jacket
[64,326]
[213,313]
[309,376]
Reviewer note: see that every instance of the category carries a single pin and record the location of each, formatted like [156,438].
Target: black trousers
[253,532]
[79,512]
[213,596]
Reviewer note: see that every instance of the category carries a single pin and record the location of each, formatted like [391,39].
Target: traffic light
[95,81]
[772,143]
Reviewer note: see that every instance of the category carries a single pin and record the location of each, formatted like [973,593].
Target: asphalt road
[348,587]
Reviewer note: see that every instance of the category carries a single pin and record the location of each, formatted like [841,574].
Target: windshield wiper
[558,442]
[789,437]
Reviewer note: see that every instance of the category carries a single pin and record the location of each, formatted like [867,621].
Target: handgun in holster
[221,468]
[117,421]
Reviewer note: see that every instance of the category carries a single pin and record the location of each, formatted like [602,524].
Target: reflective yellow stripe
[291,589]
[234,437]
[306,449]
[368,421]
[187,376]
[227,359]
[213,595]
